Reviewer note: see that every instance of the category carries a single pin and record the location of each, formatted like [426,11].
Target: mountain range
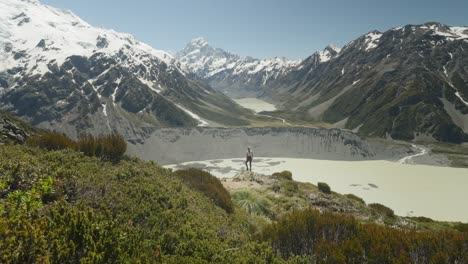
[407,83]
[232,74]
[61,73]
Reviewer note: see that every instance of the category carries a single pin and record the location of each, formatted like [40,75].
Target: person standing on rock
[249,158]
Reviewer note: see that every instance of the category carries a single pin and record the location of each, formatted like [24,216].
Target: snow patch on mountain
[202,123]
[328,53]
[372,40]
[451,33]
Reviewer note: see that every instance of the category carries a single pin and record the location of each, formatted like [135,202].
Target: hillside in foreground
[62,206]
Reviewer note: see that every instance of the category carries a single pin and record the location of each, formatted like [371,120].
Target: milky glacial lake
[440,193]
[255,104]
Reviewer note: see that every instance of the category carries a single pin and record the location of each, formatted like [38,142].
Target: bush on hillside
[422,219]
[382,209]
[108,147]
[355,198]
[209,185]
[276,188]
[462,227]
[323,187]
[289,187]
[52,141]
[336,238]
[284,175]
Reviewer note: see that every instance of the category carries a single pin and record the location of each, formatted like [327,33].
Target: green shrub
[110,147]
[252,203]
[323,187]
[284,175]
[462,227]
[382,209]
[422,219]
[289,187]
[209,185]
[88,145]
[276,188]
[52,141]
[355,198]
[337,238]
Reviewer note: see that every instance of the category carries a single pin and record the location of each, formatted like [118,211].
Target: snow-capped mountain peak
[328,53]
[198,42]
[33,31]
[61,73]
[372,40]
[216,65]
[333,47]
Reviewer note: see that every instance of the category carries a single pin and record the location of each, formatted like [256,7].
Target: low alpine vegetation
[382,209]
[309,236]
[110,147]
[209,185]
[284,175]
[323,187]
[61,206]
[252,203]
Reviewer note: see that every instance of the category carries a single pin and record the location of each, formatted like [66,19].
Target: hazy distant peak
[198,42]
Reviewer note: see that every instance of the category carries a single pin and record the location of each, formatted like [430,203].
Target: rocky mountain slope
[405,83]
[13,130]
[59,72]
[234,75]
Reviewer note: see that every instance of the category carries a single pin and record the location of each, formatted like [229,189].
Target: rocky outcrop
[12,130]
[245,175]
[172,145]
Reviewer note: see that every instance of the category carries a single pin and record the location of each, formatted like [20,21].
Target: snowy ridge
[61,73]
[205,61]
[328,53]
[451,33]
[33,32]
[372,40]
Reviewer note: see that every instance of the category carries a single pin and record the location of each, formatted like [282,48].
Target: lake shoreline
[410,190]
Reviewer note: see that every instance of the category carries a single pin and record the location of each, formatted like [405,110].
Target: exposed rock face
[12,130]
[170,146]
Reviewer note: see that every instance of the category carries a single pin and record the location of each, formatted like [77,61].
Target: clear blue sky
[261,28]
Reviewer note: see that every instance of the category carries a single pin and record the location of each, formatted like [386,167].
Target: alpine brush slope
[234,75]
[406,83]
[61,73]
